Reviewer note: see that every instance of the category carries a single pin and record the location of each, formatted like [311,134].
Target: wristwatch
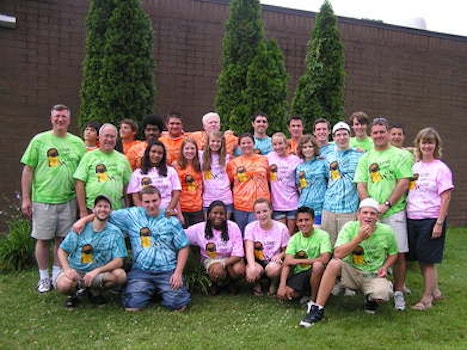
[388,204]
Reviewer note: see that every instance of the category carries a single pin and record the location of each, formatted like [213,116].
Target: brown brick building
[412,76]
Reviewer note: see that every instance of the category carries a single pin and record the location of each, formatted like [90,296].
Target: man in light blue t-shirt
[93,260]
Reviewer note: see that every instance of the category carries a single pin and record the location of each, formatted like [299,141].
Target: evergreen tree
[243,34]
[118,68]
[267,85]
[320,91]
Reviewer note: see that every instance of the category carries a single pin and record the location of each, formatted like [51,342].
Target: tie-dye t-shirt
[155,240]
[311,178]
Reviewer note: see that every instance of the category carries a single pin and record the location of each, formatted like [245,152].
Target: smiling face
[321,133]
[156,154]
[296,128]
[60,121]
[360,129]
[308,150]
[367,216]
[263,213]
[107,138]
[305,223]
[397,137]
[217,216]
[342,139]
[126,132]
[427,148]
[380,136]
[260,125]
[215,143]
[279,144]
[151,132]
[174,126]
[189,151]
[246,144]
[102,210]
[212,123]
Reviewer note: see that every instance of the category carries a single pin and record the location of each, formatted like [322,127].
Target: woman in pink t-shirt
[216,183]
[265,243]
[284,193]
[221,246]
[427,208]
[155,172]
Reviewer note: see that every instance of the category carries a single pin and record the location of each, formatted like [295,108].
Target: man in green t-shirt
[48,192]
[104,171]
[383,173]
[364,251]
[306,256]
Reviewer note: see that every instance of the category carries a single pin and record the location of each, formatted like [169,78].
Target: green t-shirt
[308,247]
[54,160]
[362,145]
[372,253]
[381,170]
[104,173]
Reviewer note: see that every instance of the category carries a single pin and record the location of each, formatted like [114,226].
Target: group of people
[299,218]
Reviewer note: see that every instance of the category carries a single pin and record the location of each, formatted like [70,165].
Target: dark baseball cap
[102,197]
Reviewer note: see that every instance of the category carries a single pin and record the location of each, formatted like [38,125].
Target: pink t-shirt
[215,247]
[165,184]
[216,183]
[267,243]
[430,181]
[282,179]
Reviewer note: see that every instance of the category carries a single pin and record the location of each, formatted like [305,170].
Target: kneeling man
[92,260]
[364,251]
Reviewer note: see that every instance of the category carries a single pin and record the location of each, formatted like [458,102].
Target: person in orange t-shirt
[174,137]
[212,122]
[127,132]
[152,127]
[296,131]
[249,175]
[189,172]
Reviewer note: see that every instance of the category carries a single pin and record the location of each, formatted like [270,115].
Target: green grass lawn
[30,320]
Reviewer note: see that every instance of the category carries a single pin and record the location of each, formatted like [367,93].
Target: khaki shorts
[398,223]
[367,282]
[52,220]
[208,262]
[97,282]
[332,223]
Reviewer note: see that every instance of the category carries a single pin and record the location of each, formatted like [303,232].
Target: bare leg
[42,254]
[400,268]
[333,270]
[315,279]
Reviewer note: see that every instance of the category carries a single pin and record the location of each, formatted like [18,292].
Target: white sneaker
[349,292]
[399,301]
[44,285]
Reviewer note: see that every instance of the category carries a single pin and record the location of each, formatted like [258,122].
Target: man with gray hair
[212,122]
[104,171]
[47,186]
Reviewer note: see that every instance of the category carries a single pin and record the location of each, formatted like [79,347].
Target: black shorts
[422,247]
[300,282]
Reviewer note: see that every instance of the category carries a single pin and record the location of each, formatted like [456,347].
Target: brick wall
[411,76]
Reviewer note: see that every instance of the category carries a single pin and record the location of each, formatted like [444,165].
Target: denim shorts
[243,218]
[280,214]
[143,285]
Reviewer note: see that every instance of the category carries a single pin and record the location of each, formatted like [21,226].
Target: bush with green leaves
[320,90]
[118,79]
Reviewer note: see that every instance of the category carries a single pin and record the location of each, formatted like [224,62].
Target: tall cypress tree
[320,91]
[267,85]
[118,68]
[243,34]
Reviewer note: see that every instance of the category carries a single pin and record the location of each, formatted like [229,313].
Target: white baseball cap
[340,126]
[369,203]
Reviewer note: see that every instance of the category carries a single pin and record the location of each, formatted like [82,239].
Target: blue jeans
[142,285]
[243,218]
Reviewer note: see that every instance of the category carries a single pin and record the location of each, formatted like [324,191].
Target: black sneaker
[314,315]
[370,305]
[97,300]
[71,302]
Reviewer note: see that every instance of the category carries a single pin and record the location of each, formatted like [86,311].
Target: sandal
[421,306]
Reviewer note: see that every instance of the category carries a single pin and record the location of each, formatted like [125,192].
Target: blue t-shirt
[341,194]
[311,178]
[264,146]
[155,241]
[90,249]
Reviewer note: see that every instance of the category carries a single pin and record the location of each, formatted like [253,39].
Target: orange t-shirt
[192,189]
[293,146]
[249,176]
[136,153]
[128,145]
[173,147]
